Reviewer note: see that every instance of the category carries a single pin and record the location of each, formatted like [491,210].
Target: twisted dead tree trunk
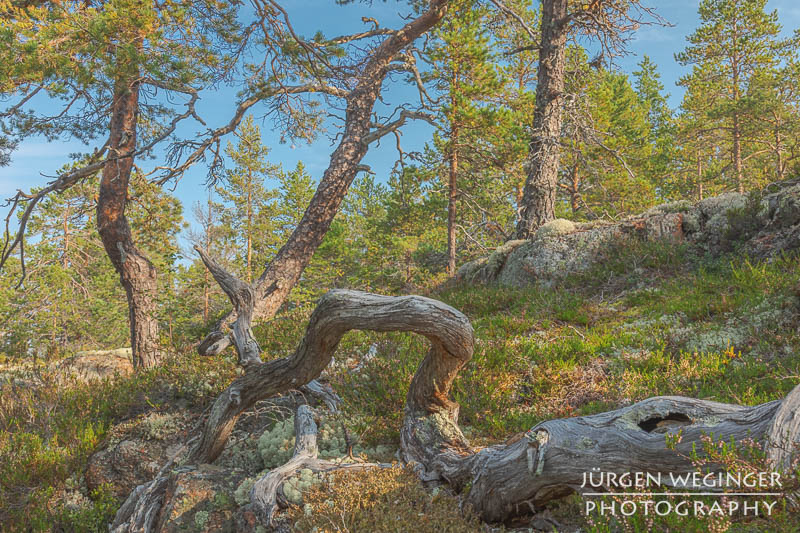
[284,271]
[497,482]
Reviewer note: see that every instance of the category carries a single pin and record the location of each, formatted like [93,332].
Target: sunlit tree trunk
[539,195]
[137,273]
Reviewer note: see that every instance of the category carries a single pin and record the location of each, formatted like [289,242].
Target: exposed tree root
[500,481]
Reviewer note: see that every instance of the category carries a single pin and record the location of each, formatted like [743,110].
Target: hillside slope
[705,313]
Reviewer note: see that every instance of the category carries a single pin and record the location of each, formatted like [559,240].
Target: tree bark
[779,163]
[699,178]
[497,482]
[539,195]
[137,273]
[737,152]
[249,228]
[574,192]
[452,199]
[784,433]
[284,271]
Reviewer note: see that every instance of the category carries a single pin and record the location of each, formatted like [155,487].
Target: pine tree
[464,70]
[93,61]
[247,199]
[775,100]
[736,43]
[71,286]
[605,163]
[660,164]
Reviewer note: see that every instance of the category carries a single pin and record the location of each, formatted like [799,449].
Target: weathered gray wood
[783,438]
[243,297]
[364,81]
[264,494]
[140,510]
[503,480]
[337,313]
[554,456]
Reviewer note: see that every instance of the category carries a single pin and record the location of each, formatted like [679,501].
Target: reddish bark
[284,271]
[137,273]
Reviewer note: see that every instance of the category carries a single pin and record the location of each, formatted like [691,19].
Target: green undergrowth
[652,319]
[48,430]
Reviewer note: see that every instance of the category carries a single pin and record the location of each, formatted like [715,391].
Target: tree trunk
[737,152]
[699,179]
[249,228]
[284,271]
[539,195]
[781,166]
[65,224]
[737,128]
[498,482]
[137,273]
[452,199]
[574,191]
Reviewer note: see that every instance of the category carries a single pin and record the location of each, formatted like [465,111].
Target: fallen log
[497,482]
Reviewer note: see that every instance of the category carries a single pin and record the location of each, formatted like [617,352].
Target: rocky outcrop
[760,224]
[135,451]
[95,364]
[200,498]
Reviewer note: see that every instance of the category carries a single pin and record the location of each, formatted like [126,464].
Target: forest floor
[655,319]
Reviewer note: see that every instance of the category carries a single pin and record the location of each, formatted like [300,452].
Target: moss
[554,228]
[242,494]
[158,426]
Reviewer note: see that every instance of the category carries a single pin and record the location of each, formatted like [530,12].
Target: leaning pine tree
[97,60]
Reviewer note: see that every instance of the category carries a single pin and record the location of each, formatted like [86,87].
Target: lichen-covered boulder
[760,224]
[96,364]
[135,451]
[722,204]
[124,465]
[554,228]
[784,207]
[561,247]
[547,258]
[200,498]
[485,269]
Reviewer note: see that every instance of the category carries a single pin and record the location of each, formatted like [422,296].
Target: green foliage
[48,429]
[737,60]
[607,169]
[743,222]
[176,45]
[71,285]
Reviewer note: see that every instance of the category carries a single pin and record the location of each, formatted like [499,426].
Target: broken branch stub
[500,481]
[243,297]
[784,432]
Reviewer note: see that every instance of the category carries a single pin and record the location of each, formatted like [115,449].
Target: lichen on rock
[554,228]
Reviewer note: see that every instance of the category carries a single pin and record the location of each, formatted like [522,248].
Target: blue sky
[36,158]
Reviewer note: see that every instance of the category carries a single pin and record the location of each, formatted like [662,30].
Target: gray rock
[722,204]
[96,364]
[715,224]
